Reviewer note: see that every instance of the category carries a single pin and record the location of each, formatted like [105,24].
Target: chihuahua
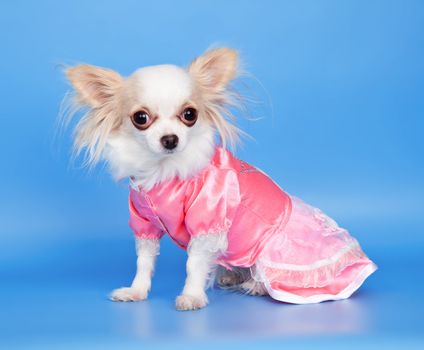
[166,129]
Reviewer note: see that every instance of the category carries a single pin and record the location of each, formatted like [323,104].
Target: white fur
[108,131]
[128,155]
[139,154]
[202,254]
[147,250]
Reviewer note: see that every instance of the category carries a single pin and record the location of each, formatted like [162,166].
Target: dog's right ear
[95,86]
[99,89]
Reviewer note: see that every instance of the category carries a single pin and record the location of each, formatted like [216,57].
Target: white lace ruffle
[215,241]
[316,275]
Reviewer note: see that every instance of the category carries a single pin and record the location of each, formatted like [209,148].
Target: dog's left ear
[215,68]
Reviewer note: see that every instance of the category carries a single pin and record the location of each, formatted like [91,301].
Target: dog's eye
[189,116]
[141,120]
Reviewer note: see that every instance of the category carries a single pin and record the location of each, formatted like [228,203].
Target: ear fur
[99,90]
[212,72]
[95,86]
[215,68]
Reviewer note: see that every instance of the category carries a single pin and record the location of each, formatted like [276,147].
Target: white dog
[157,127]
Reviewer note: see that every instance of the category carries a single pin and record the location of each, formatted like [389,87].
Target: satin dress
[299,253]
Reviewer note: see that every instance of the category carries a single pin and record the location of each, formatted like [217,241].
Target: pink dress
[299,253]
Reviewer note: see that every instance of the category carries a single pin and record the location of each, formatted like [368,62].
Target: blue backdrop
[341,88]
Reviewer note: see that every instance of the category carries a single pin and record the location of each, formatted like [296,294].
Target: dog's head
[160,119]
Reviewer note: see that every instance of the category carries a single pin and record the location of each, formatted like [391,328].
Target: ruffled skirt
[311,260]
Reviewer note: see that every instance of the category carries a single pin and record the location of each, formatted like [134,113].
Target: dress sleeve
[143,222]
[212,206]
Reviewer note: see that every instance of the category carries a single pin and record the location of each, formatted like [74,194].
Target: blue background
[341,85]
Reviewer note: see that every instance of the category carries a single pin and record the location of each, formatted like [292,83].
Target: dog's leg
[231,278]
[147,250]
[202,253]
[253,287]
[241,279]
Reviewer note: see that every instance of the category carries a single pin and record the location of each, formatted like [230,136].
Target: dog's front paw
[190,302]
[128,294]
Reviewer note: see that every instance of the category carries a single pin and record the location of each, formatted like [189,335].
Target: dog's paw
[190,302]
[252,287]
[229,280]
[128,294]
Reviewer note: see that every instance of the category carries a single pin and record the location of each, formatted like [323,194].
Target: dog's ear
[95,86]
[215,68]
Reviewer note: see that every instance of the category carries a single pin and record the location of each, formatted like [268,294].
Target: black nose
[169,141]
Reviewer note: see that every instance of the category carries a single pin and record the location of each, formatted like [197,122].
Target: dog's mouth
[170,152]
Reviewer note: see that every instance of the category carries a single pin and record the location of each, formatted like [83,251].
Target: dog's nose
[169,141]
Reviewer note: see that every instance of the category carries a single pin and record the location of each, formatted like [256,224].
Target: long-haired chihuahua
[158,128]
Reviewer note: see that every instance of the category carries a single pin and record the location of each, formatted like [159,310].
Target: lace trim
[288,297]
[214,230]
[213,241]
[149,236]
[317,275]
[316,265]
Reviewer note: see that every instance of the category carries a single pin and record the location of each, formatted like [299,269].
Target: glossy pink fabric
[300,254]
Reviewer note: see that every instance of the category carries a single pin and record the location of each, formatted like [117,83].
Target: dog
[167,129]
